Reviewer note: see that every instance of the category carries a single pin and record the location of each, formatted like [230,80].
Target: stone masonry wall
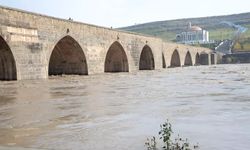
[32,38]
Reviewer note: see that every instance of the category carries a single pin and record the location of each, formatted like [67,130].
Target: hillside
[218,31]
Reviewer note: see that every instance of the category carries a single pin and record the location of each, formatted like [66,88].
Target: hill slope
[168,29]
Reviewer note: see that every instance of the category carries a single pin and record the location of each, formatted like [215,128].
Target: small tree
[165,134]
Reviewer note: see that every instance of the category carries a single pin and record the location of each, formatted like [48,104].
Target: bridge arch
[175,59]
[68,58]
[204,58]
[197,59]
[116,59]
[7,62]
[163,61]
[188,60]
[146,59]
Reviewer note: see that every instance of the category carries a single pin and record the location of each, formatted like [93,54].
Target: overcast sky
[119,13]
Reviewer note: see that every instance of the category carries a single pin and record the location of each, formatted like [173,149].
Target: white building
[193,35]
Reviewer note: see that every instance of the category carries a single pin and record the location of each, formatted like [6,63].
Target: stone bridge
[34,46]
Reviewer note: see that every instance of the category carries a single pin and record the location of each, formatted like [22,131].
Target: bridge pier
[213,58]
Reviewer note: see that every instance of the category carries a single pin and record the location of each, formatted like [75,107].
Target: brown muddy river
[207,104]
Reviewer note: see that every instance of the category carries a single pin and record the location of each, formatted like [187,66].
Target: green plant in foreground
[165,135]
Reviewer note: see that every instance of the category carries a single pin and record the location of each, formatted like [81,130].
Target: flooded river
[207,104]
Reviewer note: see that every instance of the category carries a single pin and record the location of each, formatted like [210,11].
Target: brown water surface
[207,104]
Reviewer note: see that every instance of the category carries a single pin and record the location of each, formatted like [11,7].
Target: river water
[206,104]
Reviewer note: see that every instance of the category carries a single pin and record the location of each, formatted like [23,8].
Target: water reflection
[119,111]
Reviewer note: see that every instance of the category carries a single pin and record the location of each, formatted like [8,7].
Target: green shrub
[165,134]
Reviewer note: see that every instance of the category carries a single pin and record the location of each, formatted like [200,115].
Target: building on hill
[193,35]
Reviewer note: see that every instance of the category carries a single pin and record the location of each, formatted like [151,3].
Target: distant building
[193,35]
